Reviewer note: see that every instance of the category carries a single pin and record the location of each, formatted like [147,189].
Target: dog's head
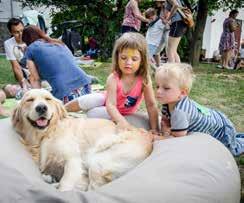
[38,110]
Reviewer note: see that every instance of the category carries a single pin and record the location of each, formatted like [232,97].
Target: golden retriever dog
[79,153]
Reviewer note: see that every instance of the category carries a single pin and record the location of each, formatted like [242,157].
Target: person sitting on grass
[181,115]
[14,49]
[126,86]
[50,59]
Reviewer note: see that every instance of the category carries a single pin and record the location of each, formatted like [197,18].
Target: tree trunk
[196,42]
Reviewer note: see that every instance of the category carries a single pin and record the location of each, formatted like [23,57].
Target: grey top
[176,16]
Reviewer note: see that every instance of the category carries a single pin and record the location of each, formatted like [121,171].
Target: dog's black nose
[41,108]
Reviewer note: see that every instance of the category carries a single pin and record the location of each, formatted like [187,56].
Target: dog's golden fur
[83,153]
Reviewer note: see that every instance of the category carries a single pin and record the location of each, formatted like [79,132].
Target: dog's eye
[30,100]
[48,98]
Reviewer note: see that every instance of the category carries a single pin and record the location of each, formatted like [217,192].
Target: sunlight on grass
[215,88]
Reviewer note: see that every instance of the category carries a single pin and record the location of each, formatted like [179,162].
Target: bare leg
[72,106]
[173,56]
[157,59]
[228,57]
[223,59]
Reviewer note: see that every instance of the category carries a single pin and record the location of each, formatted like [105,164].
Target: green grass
[6,74]
[215,88]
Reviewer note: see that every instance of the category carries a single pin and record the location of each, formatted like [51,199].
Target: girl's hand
[124,125]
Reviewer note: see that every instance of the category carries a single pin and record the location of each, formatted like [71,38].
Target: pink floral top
[130,19]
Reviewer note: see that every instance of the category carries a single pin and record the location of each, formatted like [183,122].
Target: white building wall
[213,31]
[11,8]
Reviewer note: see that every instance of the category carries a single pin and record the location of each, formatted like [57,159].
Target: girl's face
[129,61]
[168,91]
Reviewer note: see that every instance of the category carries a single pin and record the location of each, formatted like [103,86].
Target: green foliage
[102,22]
[99,19]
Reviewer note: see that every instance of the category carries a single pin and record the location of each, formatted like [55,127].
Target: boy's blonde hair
[132,40]
[181,72]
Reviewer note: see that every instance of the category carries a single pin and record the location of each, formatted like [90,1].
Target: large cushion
[193,169]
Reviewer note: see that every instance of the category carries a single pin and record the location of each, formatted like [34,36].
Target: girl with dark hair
[49,59]
[227,40]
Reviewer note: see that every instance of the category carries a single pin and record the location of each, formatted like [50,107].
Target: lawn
[215,88]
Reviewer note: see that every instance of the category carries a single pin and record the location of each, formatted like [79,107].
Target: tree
[206,7]
[106,21]
[98,17]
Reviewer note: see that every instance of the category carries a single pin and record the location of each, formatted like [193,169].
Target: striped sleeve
[179,120]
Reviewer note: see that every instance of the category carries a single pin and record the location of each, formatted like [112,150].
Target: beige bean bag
[193,169]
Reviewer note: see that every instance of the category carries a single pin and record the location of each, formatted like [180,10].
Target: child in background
[156,35]
[181,115]
[126,86]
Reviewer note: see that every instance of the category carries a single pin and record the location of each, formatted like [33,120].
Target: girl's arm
[34,75]
[151,106]
[174,7]
[137,12]
[111,103]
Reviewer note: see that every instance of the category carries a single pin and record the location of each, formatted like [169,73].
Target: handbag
[187,16]
[233,26]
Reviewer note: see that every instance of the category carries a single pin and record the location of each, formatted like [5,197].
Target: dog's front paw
[48,179]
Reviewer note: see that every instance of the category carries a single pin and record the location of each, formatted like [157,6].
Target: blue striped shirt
[191,116]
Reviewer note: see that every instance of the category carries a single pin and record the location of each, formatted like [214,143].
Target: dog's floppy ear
[61,111]
[17,120]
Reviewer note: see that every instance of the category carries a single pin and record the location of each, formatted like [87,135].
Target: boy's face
[129,61]
[153,17]
[16,31]
[168,90]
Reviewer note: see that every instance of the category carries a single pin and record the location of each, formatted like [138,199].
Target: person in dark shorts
[177,29]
